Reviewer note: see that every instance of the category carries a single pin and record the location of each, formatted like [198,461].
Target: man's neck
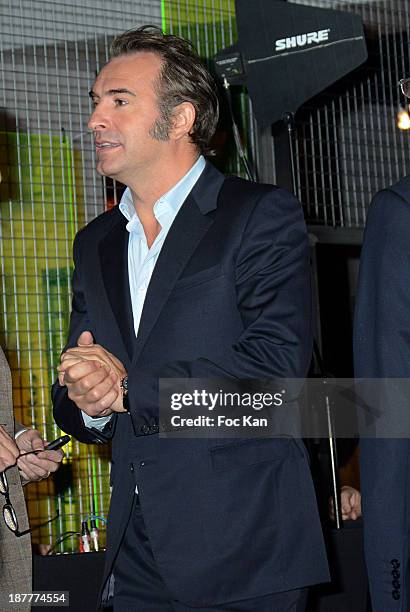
[150,192]
[147,192]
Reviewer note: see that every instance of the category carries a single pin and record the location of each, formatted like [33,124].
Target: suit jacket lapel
[187,230]
[113,250]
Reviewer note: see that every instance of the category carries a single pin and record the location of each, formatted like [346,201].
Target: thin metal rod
[333,465]
[289,120]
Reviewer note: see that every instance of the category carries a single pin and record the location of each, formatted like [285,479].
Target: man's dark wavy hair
[183,78]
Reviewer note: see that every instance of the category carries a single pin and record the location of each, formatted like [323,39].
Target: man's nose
[98,119]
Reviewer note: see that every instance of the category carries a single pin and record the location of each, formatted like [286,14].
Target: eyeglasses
[9,513]
[405,87]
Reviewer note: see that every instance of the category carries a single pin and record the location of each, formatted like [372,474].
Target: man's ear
[183,118]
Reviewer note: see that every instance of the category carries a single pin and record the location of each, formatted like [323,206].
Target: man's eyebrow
[113,92]
[121,90]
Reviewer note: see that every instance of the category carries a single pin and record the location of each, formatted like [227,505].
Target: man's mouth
[105,144]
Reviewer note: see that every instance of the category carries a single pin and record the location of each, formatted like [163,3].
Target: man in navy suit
[193,275]
[381,351]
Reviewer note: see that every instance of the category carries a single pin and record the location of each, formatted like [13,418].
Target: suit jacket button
[395,595]
[145,429]
[131,467]
[154,429]
[396,584]
[395,563]
[395,573]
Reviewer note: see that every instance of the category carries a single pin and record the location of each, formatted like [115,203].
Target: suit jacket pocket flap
[249,452]
[200,277]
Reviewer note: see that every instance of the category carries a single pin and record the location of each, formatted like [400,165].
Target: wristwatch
[124,387]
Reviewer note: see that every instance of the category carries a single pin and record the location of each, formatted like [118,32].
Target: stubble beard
[159,130]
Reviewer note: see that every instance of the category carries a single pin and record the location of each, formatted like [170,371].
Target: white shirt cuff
[99,423]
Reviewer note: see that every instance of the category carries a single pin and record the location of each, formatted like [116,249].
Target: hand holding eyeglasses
[35,458]
[34,462]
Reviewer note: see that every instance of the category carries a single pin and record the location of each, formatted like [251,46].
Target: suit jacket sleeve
[382,317]
[381,350]
[66,413]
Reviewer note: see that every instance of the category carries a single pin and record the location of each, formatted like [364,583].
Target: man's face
[125,116]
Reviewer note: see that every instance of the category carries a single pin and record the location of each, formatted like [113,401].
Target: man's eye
[120,102]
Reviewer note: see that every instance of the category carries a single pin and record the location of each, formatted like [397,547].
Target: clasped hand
[93,377]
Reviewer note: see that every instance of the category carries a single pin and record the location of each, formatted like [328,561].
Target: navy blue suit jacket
[229,297]
[382,350]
